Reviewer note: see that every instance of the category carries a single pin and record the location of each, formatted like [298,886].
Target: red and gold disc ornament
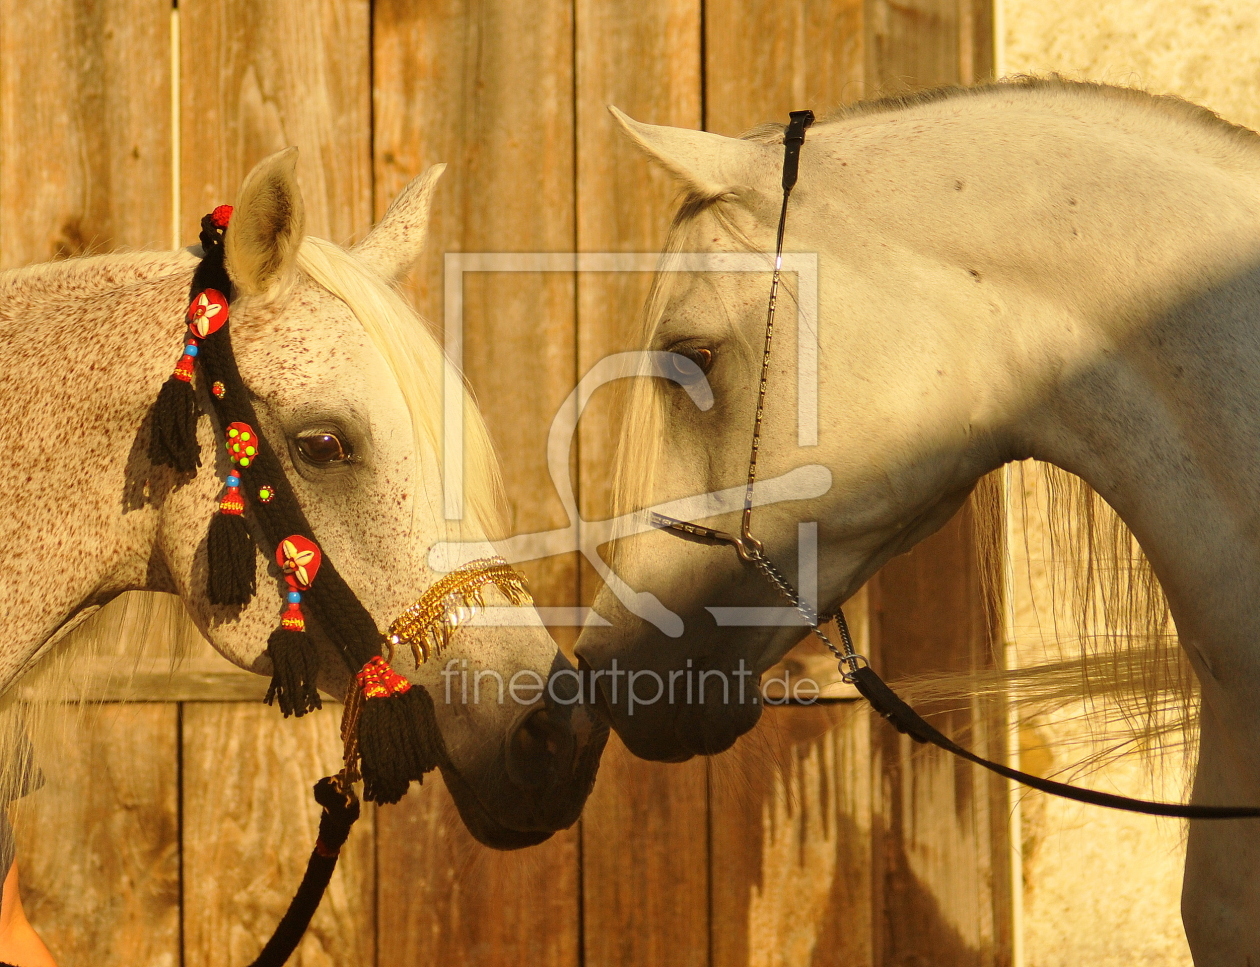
[207,314]
[299,558]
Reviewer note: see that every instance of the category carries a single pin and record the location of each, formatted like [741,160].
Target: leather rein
[854,668]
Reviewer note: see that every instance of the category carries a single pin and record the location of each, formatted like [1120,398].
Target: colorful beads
[266,493]
[292,619]
[233,480]
[184,368]
[218,389]
[378,680]
[232,502]
[241,443]
[191,349]
[294,597]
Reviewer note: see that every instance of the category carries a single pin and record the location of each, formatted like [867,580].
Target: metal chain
[849,656]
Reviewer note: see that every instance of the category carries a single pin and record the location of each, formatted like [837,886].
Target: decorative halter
[389,729]
[454,598]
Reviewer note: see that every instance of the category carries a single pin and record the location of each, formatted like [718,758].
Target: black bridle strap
[906,720]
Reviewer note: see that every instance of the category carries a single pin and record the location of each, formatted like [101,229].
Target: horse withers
[1033,269]
[347,384]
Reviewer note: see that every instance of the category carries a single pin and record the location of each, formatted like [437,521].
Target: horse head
[891,467]
[347,385]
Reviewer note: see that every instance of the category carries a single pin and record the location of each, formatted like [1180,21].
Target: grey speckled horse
[347,383]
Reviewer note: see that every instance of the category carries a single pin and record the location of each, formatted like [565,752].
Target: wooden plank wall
[817,840]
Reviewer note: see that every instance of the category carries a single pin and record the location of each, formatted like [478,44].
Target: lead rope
[854,668]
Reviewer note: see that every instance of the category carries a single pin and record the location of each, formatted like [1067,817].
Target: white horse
[1036,268]
[347,383]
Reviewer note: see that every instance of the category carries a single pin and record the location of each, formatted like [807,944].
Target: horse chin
[676,733]
[485,828]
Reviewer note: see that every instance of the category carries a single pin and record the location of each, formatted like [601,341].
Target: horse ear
[710,164]
[397,241]
[268,223]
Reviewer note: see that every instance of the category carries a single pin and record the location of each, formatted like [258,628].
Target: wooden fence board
[257,77]
[446,899]
[85,131]
[249,824]
[644,58]
[790,818]
[98,846]
[645,877]
[764,59]
[943,863]
[912,44]
[644,831]
[488,88]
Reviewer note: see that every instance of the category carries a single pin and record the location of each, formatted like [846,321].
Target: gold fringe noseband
[427,625]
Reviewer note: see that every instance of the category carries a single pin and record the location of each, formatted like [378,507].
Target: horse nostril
[541,749]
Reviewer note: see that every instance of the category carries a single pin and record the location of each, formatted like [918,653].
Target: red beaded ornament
[241,443]
[377,680]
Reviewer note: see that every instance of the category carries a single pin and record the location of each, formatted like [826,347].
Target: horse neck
[1127,354]
[1092,273]
[84,348]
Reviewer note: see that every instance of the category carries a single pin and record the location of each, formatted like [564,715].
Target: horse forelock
[418,365]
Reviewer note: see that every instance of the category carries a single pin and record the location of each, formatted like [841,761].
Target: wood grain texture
[446,899]
[790,816]
[942,859]
[249,824]
[644,842]
[488,88]
[257,76]
[98,846]
[645,876]
[211,679]
[765,58]
[644,58]
[85,128]
[916,44]
[790,804]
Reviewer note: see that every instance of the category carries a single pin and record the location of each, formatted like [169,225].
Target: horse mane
[419,366]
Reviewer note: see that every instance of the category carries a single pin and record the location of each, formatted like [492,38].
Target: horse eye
[681,372]
[323,448]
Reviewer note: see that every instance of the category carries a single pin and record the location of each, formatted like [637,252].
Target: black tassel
[173,432]
[398,742]
[231,576]
[294,667]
